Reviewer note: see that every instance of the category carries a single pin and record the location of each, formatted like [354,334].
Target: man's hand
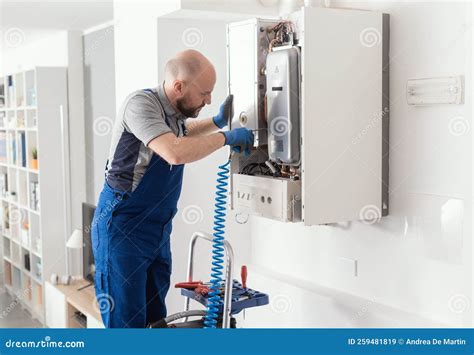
[226,111]
[238,139]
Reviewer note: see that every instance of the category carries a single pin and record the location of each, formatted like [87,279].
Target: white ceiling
[54,15]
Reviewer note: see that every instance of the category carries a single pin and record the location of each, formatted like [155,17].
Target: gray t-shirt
[143,116]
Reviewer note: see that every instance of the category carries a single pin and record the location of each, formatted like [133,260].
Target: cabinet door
[342,113]
[56,307]
[94,322]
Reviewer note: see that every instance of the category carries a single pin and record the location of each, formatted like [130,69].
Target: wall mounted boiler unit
[314,89]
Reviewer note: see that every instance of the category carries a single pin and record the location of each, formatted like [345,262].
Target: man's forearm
[188,149]
[201,127]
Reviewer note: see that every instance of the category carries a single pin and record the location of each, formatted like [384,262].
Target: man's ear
[178,87]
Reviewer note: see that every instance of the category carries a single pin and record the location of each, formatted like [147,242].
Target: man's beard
[186,110]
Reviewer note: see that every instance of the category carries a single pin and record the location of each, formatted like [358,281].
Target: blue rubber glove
[238,138]
[237,149]
[226,111]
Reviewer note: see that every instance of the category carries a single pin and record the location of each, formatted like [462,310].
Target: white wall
[415,266]
[418,259]
[136,48]
[99,105]
[22,50]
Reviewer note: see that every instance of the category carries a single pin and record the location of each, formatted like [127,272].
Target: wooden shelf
[64,301]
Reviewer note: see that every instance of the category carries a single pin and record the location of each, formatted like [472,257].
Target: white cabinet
[72,306]
[94,322]
[56,307]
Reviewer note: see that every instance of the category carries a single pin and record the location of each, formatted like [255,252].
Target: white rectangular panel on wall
[344,115]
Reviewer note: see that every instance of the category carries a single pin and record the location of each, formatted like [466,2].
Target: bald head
[189,80]
[187,65]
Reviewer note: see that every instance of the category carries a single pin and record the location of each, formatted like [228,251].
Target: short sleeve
[143,117]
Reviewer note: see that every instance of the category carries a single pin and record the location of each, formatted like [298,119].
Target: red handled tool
[243,275]
[198,286]
[190,285]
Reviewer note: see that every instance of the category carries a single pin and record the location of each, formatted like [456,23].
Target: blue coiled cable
[214,300]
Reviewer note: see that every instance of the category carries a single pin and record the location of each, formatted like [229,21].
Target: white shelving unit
[34,213]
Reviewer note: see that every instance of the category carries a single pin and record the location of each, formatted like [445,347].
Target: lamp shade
[75,240]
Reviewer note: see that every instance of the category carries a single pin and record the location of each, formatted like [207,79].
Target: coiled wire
[214,300]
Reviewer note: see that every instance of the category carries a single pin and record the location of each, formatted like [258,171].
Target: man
[152,141]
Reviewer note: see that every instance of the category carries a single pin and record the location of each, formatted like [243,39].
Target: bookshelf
[33,204]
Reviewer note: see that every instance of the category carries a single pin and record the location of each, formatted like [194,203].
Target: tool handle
[189,285]
[243,275]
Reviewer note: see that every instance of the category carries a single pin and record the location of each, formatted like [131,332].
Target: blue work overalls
[131,245]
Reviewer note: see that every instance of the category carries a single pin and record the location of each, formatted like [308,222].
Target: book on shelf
[6,218]
[3,185]
[22,149]
[34,195]
[11,91]
[24,236]
[31,97]
[3,147]
[2,93]
[27,261]
[20,121]
[13,150]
